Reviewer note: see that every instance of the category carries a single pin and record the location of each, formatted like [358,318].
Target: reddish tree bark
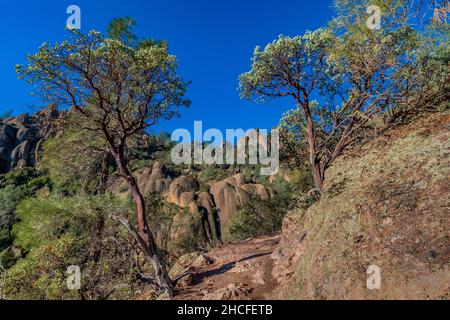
[145,236]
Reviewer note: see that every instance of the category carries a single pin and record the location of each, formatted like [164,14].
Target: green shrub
[160,218]
[43,219]
[76,162]
[9,257]
[42,275]
[46,219]
[14,186]
[177,231]
[9,197]
[59,232]
[259,217]
[301,178]
[212,172]
[19,177]
[5,240]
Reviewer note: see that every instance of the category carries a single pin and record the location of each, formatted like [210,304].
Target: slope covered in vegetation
[386,204]
[84,184]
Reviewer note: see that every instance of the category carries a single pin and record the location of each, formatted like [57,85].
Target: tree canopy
[341,76]
[116,91]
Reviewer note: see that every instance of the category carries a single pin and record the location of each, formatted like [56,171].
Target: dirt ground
[239,271]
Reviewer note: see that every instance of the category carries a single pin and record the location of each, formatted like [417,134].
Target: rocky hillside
[212,208]
[387,204]
[205,204]
[21,138]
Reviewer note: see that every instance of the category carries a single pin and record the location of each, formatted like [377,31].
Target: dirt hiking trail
[237,271]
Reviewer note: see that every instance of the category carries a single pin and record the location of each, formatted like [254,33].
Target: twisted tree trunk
[144,236]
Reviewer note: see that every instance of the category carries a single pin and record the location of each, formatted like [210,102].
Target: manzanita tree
[116,91]
[338,78]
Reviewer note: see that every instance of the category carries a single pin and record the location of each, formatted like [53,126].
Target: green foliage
[121,29]
[193,239]
[425,79]
[5,241]
[299,57]
[59,232]
[352,14]
[104,262]
[260,217]
[354,73]
[46,218]
[300,176]
[116,90]
[177,231]
[75,162]
[154,90]
[27,177]
[411,43]
[9,197]
[293,139]
[161,219]
[42,274]
[150,147]
[9,256]
[14,186]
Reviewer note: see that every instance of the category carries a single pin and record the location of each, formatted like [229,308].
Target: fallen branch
[142,244]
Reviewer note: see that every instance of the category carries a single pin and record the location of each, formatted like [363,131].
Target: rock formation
[231,194]
[21,138]
[153,179]
[212,209]
[182,190]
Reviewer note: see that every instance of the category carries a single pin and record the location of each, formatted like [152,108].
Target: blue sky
[213,40]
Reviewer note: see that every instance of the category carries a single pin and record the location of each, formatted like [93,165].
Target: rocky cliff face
[211,209]
[386,204]
[21,138]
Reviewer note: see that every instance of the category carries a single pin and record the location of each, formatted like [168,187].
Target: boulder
[185,280]
[180,233]
[227,202]
[236,180]
[201,261]
[206,204]
[153,179]
[188,262]
[180,185]
[186,198]
[21,138]
[263,192]
[183,263]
